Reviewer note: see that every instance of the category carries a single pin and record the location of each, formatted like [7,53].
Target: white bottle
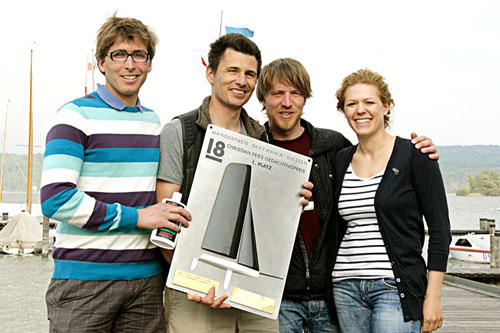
[166,238]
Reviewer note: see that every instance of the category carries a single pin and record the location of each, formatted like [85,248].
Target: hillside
[456,162]
[16,170]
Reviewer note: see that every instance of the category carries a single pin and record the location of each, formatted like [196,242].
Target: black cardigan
[411,187]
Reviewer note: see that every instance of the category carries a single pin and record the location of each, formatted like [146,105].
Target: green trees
[457,162]
[462,192]
[487,182]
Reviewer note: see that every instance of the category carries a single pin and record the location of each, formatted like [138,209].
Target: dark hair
[286,70]
[236,42]
[126,28]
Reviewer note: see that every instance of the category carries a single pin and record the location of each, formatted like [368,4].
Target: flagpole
[3,151]
[220,27]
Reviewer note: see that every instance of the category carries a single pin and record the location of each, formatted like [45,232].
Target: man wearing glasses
[98,179]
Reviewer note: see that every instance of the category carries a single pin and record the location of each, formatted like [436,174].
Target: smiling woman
[383,188]
[364,110]
[378,91]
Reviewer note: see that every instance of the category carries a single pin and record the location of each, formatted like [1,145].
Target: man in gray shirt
[233,69]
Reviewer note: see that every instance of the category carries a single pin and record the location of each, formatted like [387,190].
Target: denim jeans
[306,316]
[370,306]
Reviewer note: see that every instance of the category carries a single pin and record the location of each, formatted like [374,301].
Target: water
[466,211]
[25,278]
[22,298]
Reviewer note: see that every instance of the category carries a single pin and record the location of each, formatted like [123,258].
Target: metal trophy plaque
[246,207]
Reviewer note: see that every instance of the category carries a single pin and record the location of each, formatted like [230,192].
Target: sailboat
[21,234]
[23,231]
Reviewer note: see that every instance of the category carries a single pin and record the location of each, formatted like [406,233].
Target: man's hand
[210,300]
[160,215]
[306,192]
[425,145]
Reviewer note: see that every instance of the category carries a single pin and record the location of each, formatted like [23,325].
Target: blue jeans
[370,306]
[306,316]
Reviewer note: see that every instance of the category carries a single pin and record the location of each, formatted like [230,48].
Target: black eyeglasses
[121,56]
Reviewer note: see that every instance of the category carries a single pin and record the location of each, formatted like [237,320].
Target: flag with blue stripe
[242,31]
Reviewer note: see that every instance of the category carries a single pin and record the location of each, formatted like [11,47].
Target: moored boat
[20,235]
[471,248]
[17,249]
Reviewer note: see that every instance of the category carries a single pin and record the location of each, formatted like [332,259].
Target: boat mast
[30,144]
[3,151]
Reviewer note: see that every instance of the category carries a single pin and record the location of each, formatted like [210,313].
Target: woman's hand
[433,312]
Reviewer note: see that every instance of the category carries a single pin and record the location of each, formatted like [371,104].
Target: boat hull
[15,250]
[471,248]
[468,255]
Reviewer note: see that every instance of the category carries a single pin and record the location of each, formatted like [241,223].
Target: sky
[441,59]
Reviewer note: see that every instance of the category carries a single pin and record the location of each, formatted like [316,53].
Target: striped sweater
[362,253]
[100,166]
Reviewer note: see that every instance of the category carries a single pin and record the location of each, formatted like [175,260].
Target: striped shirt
[362,254]
[100,165]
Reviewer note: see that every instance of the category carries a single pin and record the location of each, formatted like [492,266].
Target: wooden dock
[481,274]
[469,306]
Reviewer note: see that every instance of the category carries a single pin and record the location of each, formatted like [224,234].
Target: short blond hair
[287,70]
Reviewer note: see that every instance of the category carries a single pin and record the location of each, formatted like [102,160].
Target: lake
[25,278]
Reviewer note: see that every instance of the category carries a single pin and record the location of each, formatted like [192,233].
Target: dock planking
[481,274]
[469,311]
